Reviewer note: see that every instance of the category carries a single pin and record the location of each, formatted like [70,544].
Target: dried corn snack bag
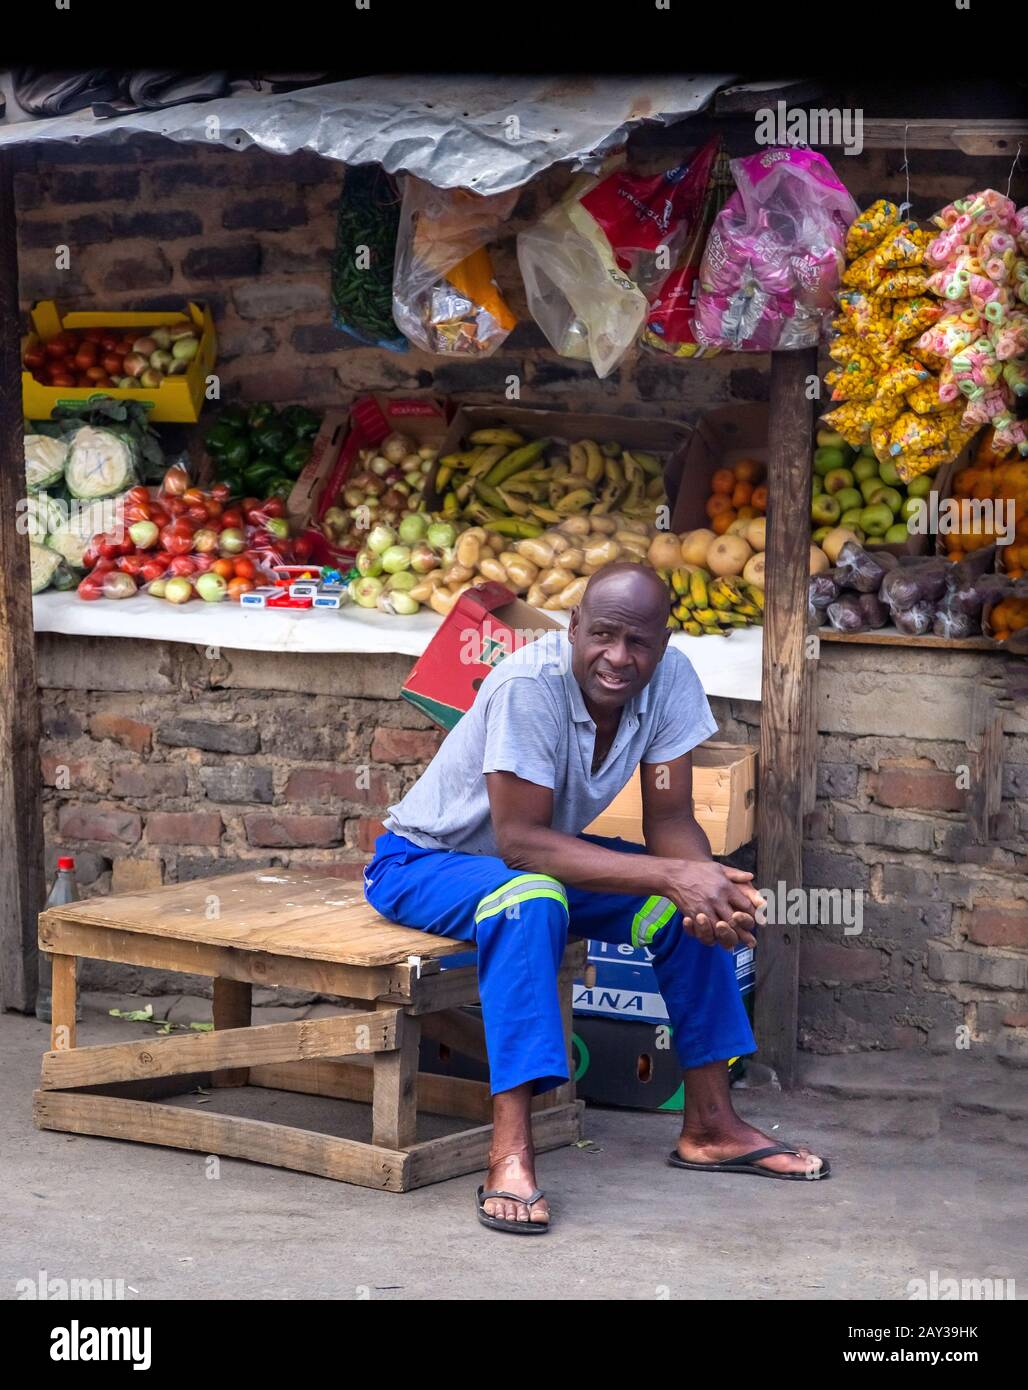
[856,310]
[911,317]
[903,284]
[870,227]
[903,247]
[910,466]
[924,398]
[884,409]
[849,420]
[902,376]
[863,274]
[842,347]
[915,434]
[880,443]
[856,381]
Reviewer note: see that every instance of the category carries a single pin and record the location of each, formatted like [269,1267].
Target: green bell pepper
[257,474]
[236,455]
[263,413]
[219,437]
[271,439]
[294,459]
[278,486]
[233,416]
[303,422]
[233,481]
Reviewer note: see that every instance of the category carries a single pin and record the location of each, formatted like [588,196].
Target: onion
[441,534]
[423,558]
[118,585]
[366,591]
[353,495]
[394,499]
[401,581]
[396,447]
[397,557]
[368,563]
[380,466]
[413,527]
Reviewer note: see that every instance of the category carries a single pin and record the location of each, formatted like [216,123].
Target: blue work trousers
[520,923]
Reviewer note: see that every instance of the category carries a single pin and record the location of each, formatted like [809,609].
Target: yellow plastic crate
[178,398]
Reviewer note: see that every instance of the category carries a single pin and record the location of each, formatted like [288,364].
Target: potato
[442,600]
[469,548]
[603,554]
[572,595]
[425,588]
[576,526]
[571,559]
[493,571]
[557,542]
[457,573]
[520,572]
[535,596]
[631,540]
[606,525]
[551,581]
[538,551]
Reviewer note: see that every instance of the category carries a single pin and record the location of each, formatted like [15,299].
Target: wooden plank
[564,1094]
[986,138]
[231,1136]
[985,745]
[468,1152]
[394,1106]
[437,1095]
[231,1008]
[281,912]
[21,788]
[808,798]
[783,744]
[461,1031]
[448,989]
[64,995]
[889,637]
[359,983]
[199,1052]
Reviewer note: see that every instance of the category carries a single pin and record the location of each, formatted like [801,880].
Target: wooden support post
[21,812]
[231,1008]
[64,997]
[785,717]
[395,1100]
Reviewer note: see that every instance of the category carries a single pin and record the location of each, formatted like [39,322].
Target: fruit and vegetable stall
[884,505]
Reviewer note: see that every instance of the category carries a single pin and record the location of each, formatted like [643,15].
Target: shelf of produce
[728,667]
[889,637]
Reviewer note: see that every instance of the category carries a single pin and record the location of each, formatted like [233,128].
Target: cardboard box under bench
[724,794]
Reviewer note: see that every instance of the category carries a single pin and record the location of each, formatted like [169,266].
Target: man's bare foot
[514,1172]
[723,1144]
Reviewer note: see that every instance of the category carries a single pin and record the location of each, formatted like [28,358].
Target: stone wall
[164,762]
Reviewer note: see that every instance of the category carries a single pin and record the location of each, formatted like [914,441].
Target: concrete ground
[929,1160]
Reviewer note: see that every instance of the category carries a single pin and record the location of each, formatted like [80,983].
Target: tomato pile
[186,532]
[112,357]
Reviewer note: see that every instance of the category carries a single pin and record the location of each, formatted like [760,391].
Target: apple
[144,534]
[144,346]
[135,364]
[920,486]
[150,378]
[876,519]
[826,458]
[830,439]
[837,479]
[820,534]
[161,361]
[865,467]
[231,541]
[870,485]
[178,590]
[896,535]
[211,587]
[157,587]
[910,507]
[888,472]
[890,496]
[848,497]
[851,517]
[184,349]
[161,337]
[825,510]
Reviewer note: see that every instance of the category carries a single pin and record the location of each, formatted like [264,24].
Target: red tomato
[302,548]
[56,349]
[103,566]
[176,481]
[151,569]
[202,561]
[261,539]
[91,587]
[196,512]
[174,506]
[102,380]
[226,568]
[183,564]
[177,540]
[137,511]
[232,517]
[214,509]
[62,379]
[132,564]
[138,494]
[221,492]
[158,514]
[250,504]
[274,506]
[94,335]
[35,358]
[193,495]
[109,341]
[108,546]
[90,557]
[85,356]
[244,568]
[111,363]
[237,587]
[96,374]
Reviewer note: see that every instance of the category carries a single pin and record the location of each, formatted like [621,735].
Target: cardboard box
[302,500]
[721,437]
[724,794]
[178,398]
[619,982]
[666,437]
[485,625]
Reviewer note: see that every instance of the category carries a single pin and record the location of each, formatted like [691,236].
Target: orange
[964,481]
[956,556]
[747,513]
[759,498]
[748,471]
[742,495]
[718,505]
[720,523]
[723,481]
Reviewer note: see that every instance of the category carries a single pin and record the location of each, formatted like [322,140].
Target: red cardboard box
[485,625]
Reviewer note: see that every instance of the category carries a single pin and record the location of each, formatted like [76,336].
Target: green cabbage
[43,565]
[79,524]
[44,461]
[100,463]
[38,514]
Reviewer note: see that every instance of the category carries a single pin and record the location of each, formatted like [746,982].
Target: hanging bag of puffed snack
[707,183]
[592,259]
[774,257]
[445,299]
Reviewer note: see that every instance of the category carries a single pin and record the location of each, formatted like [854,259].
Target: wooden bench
[283,927]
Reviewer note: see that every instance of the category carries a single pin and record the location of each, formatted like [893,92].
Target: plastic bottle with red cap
[65,890]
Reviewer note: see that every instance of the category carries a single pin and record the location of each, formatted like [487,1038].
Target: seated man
[487,847]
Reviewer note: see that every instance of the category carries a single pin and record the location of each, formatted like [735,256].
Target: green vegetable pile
[259,452]
[362,264]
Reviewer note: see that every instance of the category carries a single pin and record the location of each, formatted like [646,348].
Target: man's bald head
[618,635]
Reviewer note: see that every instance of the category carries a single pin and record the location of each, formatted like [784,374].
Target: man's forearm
[678,838]
[583,865]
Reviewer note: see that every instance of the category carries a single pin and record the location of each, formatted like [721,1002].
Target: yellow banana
[715,631]
[443,477]
[517,505]
[546,514]
[632,469]
[611,449]
[655,489]
[648,462]
[719,597]
[698,588]
[614,471]
[693,628]
[595,460]
[707,616]
[486,459]
[579,461]
[508,438]
[574,501]
[756,595]
[516,526]
[680,581]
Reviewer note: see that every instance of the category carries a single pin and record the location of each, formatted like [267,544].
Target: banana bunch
[519,487]
[707,606]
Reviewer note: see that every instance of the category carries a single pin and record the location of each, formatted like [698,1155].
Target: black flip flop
[747,1163]
[499,1223]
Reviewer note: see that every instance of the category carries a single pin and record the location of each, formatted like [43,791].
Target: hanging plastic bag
[774,257]
[445,299]
[362,263]
[669,322]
